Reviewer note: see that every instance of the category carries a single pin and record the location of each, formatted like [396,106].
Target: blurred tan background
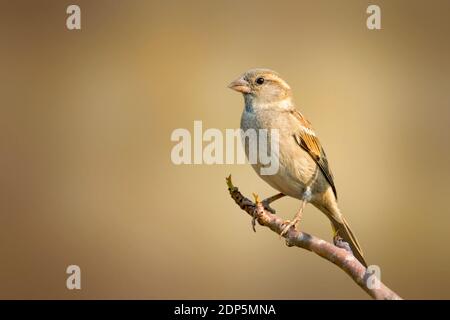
[86,117]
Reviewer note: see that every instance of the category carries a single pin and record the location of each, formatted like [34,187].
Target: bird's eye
[260,80]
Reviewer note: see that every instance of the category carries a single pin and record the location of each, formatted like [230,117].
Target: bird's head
[262,87]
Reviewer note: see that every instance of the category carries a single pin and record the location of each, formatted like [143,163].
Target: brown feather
[310,143]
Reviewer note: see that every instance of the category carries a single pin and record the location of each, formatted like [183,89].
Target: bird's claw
[289,225]
[266,205]
[254,222]
[340,243]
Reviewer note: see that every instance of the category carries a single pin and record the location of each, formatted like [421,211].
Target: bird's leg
[296,219]
[266,202]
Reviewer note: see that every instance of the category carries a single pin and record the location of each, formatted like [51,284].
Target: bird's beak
[240,85]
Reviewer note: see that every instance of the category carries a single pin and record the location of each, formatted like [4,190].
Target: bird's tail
[342,229]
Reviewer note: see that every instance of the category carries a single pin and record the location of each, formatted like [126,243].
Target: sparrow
[304,172]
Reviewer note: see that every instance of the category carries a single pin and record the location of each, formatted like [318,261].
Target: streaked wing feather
[306,139]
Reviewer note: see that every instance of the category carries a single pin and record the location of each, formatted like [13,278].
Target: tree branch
[340,257]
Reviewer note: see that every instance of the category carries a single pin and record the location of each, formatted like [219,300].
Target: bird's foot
[289,224]
[340,243]
[266,202]
[266,205]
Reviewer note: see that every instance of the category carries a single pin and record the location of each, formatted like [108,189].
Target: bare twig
[340,257]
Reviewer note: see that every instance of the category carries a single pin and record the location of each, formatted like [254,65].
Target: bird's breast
[296,169]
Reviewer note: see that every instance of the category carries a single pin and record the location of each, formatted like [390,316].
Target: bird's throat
[252,105]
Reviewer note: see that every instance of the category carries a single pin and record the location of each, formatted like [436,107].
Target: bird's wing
[306,138]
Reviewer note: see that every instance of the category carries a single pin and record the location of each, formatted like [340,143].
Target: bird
[304,172]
